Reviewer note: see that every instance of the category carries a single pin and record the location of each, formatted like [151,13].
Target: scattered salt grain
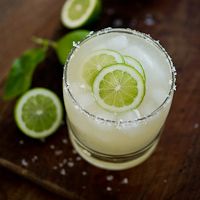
[63,172]
[196,125]
[83,187]
[109,177]
[84,173]
[42,140]
[21,142]
[125,181]
[108,188]
[58,152]
[55,167]
[165,181]
[35,158]
[52,147]
[78,158]
[74,151]
[70,164]
[149,20]
[64,161]
[117,23]
[24,162]
[60,164]
[64,141]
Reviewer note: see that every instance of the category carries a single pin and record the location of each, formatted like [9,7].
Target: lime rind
[96,62]
[92,12]
[65,44]
[136,64]
[125,68]
[19,107]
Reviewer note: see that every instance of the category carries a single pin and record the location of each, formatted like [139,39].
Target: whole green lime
[65,44]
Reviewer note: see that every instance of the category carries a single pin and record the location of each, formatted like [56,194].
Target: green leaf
[20,77]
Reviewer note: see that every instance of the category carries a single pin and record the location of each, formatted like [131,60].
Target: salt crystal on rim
[75,44]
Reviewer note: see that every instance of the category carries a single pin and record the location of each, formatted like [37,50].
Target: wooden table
[176,170]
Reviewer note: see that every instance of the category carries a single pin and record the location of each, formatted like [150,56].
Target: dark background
[177,25]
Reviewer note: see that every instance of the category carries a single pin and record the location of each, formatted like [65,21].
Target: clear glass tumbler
[120,143]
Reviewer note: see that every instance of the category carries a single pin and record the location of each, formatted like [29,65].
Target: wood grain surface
[173,171]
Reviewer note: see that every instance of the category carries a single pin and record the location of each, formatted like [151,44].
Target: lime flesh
[97,61]
[38,113]
[76,13]
[119,88]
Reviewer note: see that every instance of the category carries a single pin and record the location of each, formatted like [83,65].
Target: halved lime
[119,88]
[65,44]
[136,64]
[76,13]
[38,113]
[97,61]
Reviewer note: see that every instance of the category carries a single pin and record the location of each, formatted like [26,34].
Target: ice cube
[118,43]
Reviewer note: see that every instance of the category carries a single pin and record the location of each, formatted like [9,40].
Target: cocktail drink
[118,86]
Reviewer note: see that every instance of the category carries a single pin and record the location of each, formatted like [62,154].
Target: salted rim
[93,34]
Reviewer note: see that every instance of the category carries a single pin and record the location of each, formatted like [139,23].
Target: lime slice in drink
[76,13]
[136,64]
[65,44]
[38,113]
[119,88]
[97,61]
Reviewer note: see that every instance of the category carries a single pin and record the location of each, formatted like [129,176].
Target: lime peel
[136,64]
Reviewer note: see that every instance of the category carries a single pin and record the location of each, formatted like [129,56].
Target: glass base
[112,162]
